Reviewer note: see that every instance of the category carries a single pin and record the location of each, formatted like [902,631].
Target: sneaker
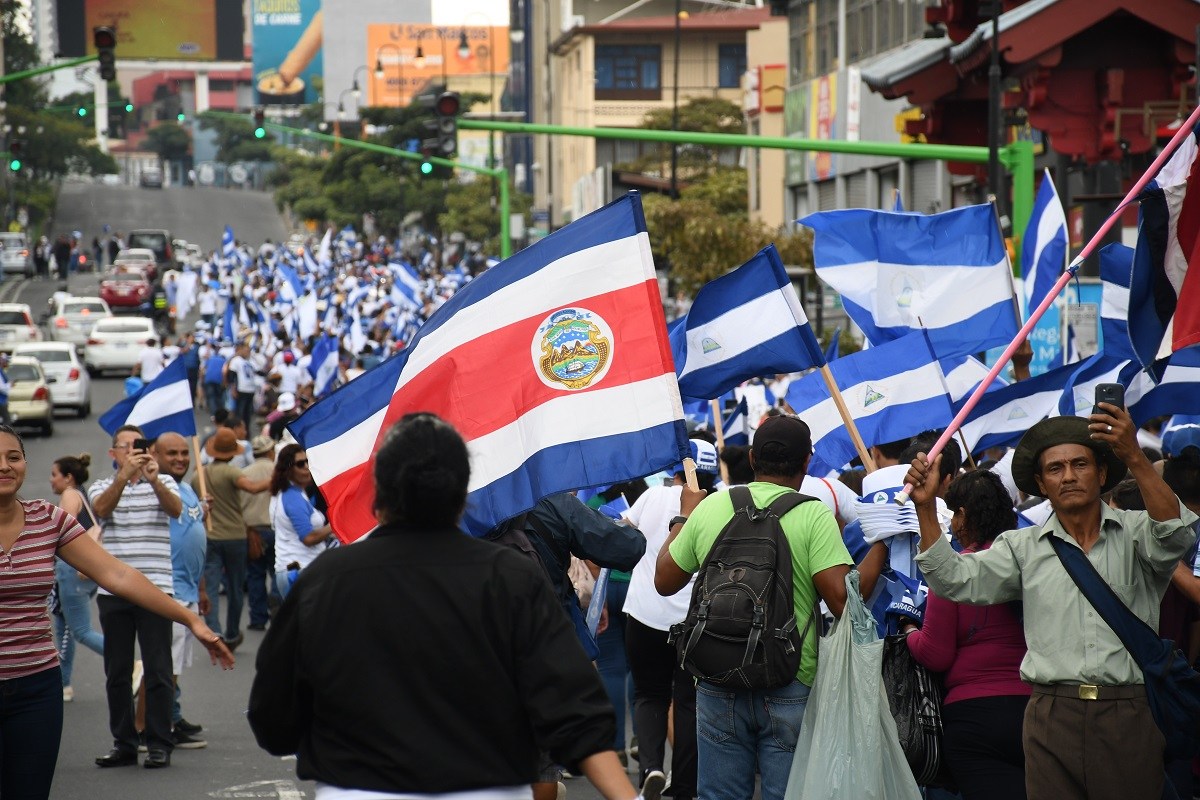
[186,741]
[68,694]
[633,749]
[233,643]
[183,726]
[652,787]
[257,626]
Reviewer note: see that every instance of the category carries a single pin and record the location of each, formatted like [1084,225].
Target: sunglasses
[300,463]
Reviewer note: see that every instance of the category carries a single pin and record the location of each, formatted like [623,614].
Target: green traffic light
[15,165]
[181,116]
[82,111]
[259,133]
[426,168]
[128,107]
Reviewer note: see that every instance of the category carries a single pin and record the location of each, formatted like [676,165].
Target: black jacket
[425,662]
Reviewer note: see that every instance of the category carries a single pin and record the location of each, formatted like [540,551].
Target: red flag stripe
[1186,323]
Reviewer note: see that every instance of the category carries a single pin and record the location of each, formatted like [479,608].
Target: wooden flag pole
[840,402]
[689,474]
[719,429]
[203,481]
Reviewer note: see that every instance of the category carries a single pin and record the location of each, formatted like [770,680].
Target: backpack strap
[788,501]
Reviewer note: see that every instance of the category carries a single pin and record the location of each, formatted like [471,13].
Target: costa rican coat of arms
[572,349]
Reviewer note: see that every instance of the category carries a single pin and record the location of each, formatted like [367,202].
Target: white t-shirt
[208,302]
[151,361]
[651,515]
[244,371]
[170,353]
[289,377]
[833,493]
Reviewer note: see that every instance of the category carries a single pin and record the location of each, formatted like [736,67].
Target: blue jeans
[228,556]
[214,396]
[739,730]
[611,663]
[261,577]
[31,720]
[75,623]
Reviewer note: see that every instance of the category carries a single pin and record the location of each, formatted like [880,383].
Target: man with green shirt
[744,731]
[1088,731]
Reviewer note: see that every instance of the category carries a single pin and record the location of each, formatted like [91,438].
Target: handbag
[1172,686]
[915,698]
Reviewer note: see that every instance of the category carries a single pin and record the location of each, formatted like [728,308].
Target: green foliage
[235,138]
[725,189]
[470,209]
[20,54]
[56,145]
[700,115]
[170,140]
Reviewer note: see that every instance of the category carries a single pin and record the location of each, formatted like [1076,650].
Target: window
[731,63]
[628,72]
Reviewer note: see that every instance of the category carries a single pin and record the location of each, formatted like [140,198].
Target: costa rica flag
[554,366]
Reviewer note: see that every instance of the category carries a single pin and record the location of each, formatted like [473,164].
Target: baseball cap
[783,439]
[1180,432]
[705,456]
[286,402]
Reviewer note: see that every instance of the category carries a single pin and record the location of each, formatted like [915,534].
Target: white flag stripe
[332,458]
[742,329]
[965,377]
[1016,415]
[915,385]
[1114,302]
[902,293]
[532,296]
[555,422]
[1085,393]
[162,402]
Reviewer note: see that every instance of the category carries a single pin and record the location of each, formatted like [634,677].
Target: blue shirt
[191,358]
[188,543]
[213,368]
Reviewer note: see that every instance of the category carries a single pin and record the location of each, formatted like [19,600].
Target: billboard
[193,30]
[396,48]
[288,36]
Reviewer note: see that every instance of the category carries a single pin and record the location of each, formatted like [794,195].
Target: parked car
[140,257]
[71,318]
[125,287]
[159,241]
[29,402]
[151,178]
[17,325]
[115,343]
[14,254]
[72,387]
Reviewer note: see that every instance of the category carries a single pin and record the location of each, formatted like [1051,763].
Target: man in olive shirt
[227,547]
[1088,730]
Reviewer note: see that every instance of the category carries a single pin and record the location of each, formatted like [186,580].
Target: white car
[71,318]
[17,325]
[71,386]
[114,343]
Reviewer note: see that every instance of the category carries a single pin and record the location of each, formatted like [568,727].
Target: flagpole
[203,481]
[840,402]
[719,429]
[1184,131]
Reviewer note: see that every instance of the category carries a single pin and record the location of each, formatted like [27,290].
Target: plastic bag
[915,697]
[848,748]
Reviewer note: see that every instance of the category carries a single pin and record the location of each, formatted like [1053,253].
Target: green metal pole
[1018,160]
[32,73]
[505,237]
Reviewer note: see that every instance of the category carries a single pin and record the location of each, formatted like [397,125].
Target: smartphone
[1113,393]
[142,444]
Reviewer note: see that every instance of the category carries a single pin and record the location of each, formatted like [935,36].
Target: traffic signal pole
[1017,157]
[33,73]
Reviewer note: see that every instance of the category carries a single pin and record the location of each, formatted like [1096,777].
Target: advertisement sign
[414,55]
[822,124]
[287,50]
[1082,307]
[795,113]
[194,30]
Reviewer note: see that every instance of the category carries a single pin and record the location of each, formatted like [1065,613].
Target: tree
[20,54]
[170,140]
[236,140]
[699,115]
[470,211]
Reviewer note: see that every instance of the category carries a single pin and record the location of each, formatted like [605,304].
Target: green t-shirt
[812,535]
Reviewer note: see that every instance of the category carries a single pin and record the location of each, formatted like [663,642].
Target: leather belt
[1090,691]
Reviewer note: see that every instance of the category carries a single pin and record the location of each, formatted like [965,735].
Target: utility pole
[675,102]
[995,174]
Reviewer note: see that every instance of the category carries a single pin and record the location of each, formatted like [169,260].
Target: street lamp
[419,59]
[341,106]
[354,88]
[464,51]
[379,72]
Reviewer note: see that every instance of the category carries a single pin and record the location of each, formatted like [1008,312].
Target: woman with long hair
[73,622]
[300,530]
[32,533]
[467,650]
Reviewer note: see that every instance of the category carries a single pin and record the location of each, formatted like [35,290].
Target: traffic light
[181,117]
[82,111]
[16,149]
[445,110]
[105,39]
[259,125]
[129,108]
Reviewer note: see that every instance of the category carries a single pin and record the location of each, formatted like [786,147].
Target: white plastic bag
[848,747]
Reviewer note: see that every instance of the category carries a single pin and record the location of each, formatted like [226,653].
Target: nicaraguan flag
[736,426]
[1116,267]
[291,288]
[554,366]
[1044,250]
[164,405]
[227,243]
[1002,416]
[1079,393]
[227,327]
[963,375]
[947,273]
[323,366]
[834,348]
[891,391]
[1164,292]
[742,325]
[1171,386]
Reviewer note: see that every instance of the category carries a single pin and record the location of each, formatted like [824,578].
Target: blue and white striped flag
[1044,250]
[891,391]
[897,273]
[227,329]
[324,365]
[164,405]
[736,426]
[742,325]
[1002,416]
[227,243]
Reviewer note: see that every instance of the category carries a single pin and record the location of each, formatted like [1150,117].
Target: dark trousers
[260,579]
[244,408]
[31,720]
[1092,749]
[214,396]
[983,747]
[225,557]
[122,621]
[657,681]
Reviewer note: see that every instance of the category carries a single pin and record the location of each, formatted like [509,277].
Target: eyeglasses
[300,463]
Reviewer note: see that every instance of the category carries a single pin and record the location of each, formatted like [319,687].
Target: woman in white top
[300,530]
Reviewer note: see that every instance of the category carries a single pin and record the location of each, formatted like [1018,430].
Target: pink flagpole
[1184,131]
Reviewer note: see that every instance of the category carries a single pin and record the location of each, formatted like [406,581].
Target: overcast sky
[456,12]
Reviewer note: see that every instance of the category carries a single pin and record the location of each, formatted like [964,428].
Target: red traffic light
[104,37]
[446,105]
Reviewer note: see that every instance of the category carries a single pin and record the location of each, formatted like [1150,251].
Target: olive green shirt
[1068,640]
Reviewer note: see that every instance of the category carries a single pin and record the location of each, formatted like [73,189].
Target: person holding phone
[1088,731]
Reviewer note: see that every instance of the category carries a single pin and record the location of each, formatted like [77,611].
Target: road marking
[283,790]
[12,290]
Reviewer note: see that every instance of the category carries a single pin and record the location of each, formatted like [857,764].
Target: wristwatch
[676,521]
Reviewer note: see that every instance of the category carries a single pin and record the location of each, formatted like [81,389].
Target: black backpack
[740,631]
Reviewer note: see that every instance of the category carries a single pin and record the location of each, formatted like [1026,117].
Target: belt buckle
[1088,691]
